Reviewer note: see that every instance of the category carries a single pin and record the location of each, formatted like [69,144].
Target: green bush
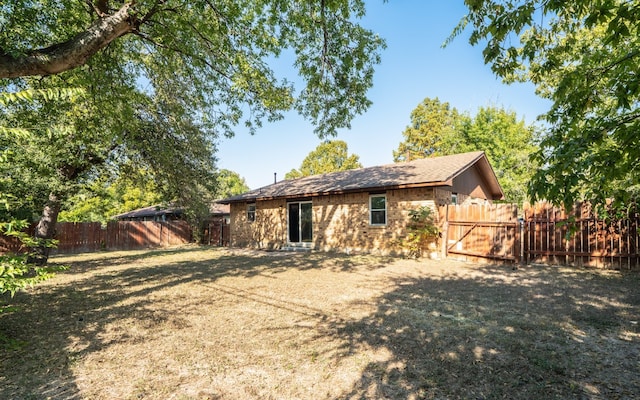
[422,230]
[16,272]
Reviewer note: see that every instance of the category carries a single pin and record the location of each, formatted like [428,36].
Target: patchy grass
[205,323]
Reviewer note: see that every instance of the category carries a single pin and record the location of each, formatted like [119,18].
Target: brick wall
[268,231]
[340,222]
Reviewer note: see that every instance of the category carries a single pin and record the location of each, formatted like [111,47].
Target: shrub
[422,230]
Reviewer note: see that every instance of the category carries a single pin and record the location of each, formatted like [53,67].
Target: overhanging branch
[72,53]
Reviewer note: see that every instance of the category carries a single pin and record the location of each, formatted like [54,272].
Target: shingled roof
[436,171]
[158,210]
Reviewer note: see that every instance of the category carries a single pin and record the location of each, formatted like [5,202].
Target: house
[213,231]
[156,213]
[160,213]
[361,210]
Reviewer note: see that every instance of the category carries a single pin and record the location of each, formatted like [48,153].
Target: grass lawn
[206,323]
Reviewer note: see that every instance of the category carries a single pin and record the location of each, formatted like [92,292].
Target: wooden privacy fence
[581,237]
[487,231]
[216,232]
[117,235]
[540,233]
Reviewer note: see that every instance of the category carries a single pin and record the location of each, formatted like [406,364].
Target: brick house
[361,210]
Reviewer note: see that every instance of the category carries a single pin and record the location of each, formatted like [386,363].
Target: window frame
[377,210]
[251,213]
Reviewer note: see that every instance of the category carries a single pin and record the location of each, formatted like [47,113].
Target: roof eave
[250,199]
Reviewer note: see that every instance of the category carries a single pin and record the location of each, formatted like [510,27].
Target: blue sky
[414,66]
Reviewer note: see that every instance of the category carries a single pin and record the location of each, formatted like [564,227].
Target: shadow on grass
[538,332]
[58,324]
[525,334]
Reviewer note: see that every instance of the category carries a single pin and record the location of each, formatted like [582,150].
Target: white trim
[371,210]
[248,211]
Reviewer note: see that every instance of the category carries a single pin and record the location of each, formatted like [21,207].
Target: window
[300,222]
[378,209]
[251,212]
[454,198]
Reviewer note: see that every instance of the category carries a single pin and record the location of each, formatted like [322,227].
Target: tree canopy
[584,56]
[217,53]
[161,80]
[437,129]
[433,125]
[329,156]
[230,183]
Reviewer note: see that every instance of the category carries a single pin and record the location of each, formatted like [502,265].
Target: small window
[378,209]
[454,198]
[251,212]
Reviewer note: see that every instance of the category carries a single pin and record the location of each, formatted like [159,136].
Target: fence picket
[549,235]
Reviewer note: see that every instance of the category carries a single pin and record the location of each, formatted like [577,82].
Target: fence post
[523,256]
[445,231]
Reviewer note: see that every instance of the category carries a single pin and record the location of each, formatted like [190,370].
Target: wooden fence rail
[580,237]
[486,231]
[117,235]
[542,233]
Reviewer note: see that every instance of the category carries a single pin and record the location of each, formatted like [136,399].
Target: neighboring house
[156,213]
[213,231]
[160,213]
[360,210]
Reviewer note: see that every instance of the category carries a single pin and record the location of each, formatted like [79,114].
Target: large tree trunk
[45,230]
[72,53]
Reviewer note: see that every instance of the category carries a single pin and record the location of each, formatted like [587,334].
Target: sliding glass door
[300,222]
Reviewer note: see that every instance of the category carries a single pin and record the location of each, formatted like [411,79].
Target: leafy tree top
[230,183]
[584,56]
[437,129]
[329,156]
[219,51]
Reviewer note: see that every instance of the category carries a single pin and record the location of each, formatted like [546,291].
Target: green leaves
[437,129]
[583,56]
[15,270]
[422,230]
[31,95]
[329,156]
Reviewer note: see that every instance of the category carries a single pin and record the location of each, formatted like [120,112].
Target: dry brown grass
[204,323]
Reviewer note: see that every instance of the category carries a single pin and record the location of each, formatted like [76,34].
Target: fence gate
[475,231]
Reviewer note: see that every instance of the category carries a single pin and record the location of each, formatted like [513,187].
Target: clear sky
[414,66]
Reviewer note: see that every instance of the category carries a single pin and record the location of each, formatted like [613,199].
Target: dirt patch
[204,323]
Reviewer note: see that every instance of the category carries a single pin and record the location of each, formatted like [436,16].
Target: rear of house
[362,210]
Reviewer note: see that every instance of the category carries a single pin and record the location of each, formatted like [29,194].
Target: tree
[508,144]
[219,49]
[107,196]
[230,183]
[329,156]
[103,134]
[437,129]
[433,125]
[163,80]
[584,56]
[16,270]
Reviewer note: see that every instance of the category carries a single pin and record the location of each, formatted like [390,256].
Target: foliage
[422,230]
[437,129]
[16,272]
[508,144]
[105,197]
[162,80]
[433,125]
[583,56]
[230,183]
[217,55]
[329,156]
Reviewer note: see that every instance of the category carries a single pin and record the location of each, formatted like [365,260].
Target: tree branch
[72,53]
